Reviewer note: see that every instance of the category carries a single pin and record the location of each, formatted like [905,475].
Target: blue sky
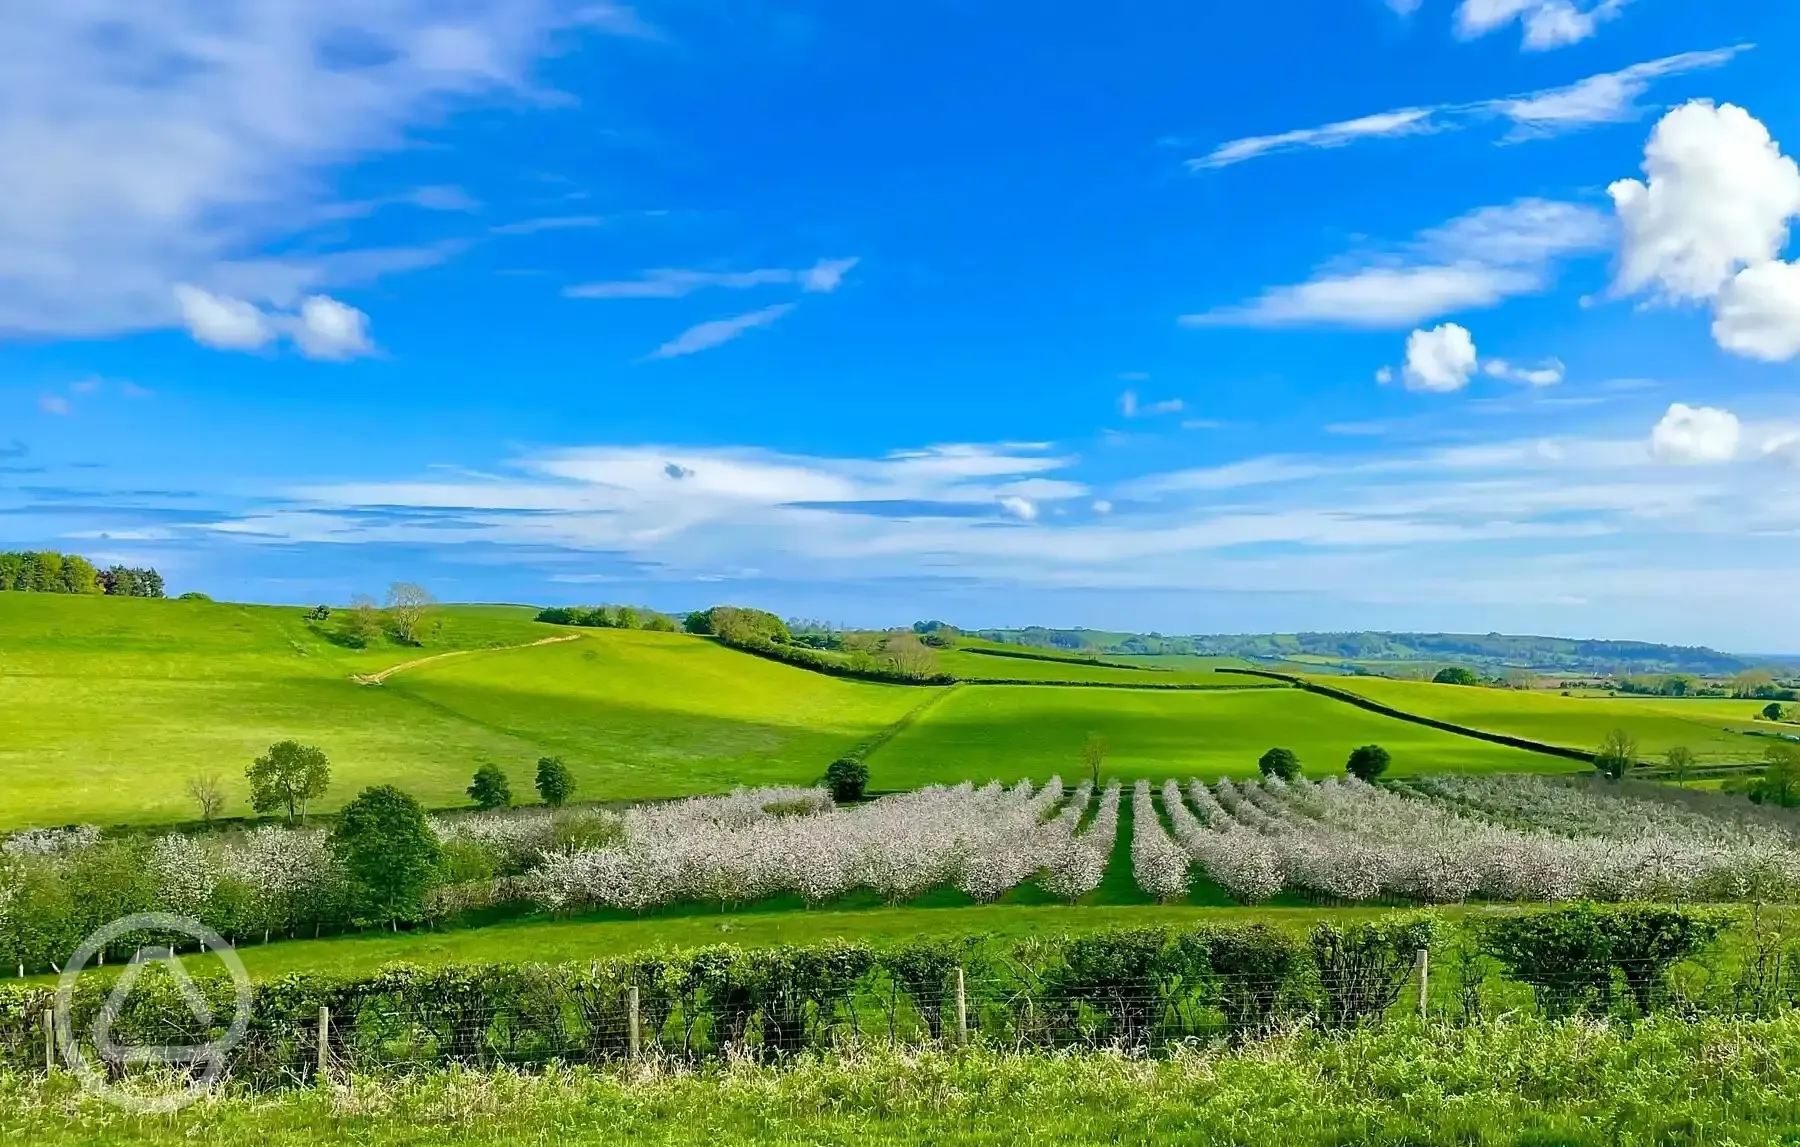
[1438,314]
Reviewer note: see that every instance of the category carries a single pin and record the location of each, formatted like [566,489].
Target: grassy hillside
[1010,731]
[1712,729]
[109,705]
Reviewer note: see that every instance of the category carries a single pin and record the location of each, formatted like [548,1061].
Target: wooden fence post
[631,1014]
[49,1041]
[324,1050]
[962,1008]
[1423,963]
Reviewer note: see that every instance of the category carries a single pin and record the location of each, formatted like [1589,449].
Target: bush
[490,789]
[1368,762]
[1364,967]
[1576,958]
[194,595]
[847,777]
[1279,763]
[1456,675]
[555,784]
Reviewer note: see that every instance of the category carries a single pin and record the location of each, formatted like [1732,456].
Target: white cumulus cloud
[1695,435]
[222,322]
[329,329]
[1717,197]
[1757,314]
[1023,509]
[1439,360]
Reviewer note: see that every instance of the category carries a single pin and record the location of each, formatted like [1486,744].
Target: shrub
[194,595]
[555,784]
[1368,762]
[490,789]
[1772,711]
[847,777]
[1575,958]
[1279,763]
[1364,967]
[1456,675]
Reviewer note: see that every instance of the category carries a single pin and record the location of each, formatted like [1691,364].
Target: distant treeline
[46,571]
[608,617]
[1492,651]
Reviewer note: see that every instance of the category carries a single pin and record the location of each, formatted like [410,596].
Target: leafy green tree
[1368,762]
[847,777]
[1279,763]
[1772,711]
[1456,675]
[1618,753]
[1680,760]
[555,784]
[490,788]
[1093,755]
[390,856]
[1780,782]
[290,775]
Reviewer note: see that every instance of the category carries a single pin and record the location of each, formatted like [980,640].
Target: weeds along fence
[1144,990]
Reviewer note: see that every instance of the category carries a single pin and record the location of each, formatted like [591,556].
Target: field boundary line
[906,720]
[1374,706]
[378,677]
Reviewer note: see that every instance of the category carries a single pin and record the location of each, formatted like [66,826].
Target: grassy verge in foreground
[1524,1081]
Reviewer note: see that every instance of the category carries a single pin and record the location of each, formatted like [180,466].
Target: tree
[1618,752]
[490,788]
[1523,679]
[1093,755]
[1368,762]
[290,775]
[1456,675]
[1279,763]
[208,792]
[847,777]
[318,612]
[1680,760]
[1780,783]
[1750,682]
[361,623]
[389,853]
[907,656]
[1773,711]
[555,784]
[406,604]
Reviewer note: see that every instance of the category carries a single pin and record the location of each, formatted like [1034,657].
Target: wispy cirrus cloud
[1610,97]
[1472,262]
[1545,23]
[823,277]
[718,332]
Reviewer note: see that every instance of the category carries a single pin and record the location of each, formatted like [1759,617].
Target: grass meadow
[109,705]
[1010,732]
[1713,729]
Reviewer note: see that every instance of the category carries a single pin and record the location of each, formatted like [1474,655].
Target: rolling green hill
[1013,731]
[109,705]
[1714,730]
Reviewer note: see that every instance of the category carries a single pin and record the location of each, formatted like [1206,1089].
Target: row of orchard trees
[46,571]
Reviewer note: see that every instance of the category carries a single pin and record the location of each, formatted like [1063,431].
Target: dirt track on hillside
[378,678]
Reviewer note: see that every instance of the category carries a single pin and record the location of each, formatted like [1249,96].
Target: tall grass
[1505,1081]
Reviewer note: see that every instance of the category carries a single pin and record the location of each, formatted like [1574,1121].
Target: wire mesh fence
[1144,991]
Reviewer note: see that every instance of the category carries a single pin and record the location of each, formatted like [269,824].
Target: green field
[1014,731]
[1713,729]
[978,660]
[109,705]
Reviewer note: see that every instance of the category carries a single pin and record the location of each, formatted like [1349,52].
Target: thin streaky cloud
[549,223]
[823,277]
[718,332]
[1610,97]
